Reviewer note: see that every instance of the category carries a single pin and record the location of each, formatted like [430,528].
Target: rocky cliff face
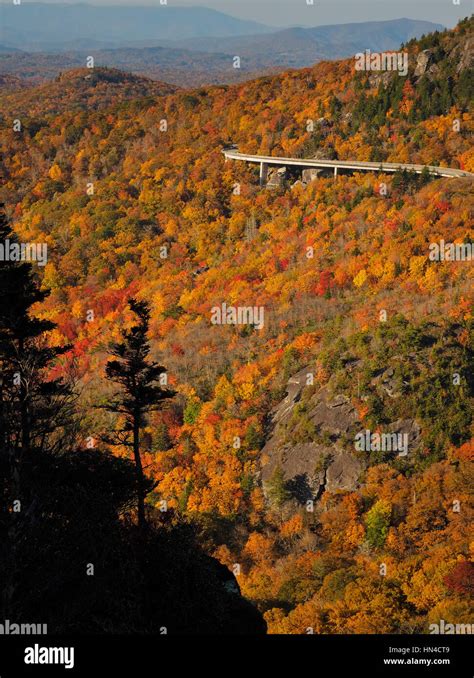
[312,438]
[311,466]
[462,54]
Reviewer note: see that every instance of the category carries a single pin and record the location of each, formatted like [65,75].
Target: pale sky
[299,12]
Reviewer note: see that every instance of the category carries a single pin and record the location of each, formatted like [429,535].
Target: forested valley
[208,472]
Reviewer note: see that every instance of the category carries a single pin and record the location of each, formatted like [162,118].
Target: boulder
[411,428]
[310,174]
[276,177]
[376,78]
[344,472]
[422,62]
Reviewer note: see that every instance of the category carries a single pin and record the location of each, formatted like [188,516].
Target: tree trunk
[139,472]
[25,436]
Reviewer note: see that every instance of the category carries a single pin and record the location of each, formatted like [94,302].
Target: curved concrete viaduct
[354,165]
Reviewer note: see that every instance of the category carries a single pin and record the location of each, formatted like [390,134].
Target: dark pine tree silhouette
[34,411]
[140,392]
[63,508]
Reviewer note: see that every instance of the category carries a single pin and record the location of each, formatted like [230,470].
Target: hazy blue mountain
[7,50]
[38,26]
[184,61]
[381,34]
[303,46]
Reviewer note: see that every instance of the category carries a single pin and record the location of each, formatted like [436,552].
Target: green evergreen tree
[276,488]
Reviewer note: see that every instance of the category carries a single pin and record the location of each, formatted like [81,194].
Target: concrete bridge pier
[335,173]
[263,173]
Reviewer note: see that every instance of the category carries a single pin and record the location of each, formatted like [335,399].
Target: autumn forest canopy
[209,471]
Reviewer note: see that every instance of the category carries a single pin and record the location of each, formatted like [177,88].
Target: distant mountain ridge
[300,47]
[198,60]
[42,27]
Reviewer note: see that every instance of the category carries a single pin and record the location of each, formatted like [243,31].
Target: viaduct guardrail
[354,165]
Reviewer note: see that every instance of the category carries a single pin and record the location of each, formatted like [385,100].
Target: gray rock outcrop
[422,62]
[312,466]
[310,174]
[312,437]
